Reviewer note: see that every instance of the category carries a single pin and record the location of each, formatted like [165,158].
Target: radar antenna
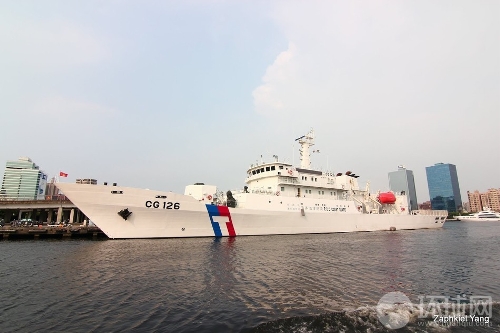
[306,141]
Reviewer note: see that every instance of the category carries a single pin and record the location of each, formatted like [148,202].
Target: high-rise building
[479,201]
[403,181]
[494,199]
[475,204]
[444,190]
[23,180]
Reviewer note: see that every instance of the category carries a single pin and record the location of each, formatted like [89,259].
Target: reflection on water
[232,284]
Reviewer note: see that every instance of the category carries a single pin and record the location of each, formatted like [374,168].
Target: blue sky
[161,94]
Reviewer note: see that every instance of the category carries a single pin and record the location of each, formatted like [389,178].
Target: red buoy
[386,198]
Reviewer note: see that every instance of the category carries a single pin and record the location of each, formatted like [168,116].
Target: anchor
[125,213]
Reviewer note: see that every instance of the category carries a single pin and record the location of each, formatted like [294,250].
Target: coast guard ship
[278,199]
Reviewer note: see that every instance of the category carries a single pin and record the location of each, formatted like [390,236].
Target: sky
[162,94]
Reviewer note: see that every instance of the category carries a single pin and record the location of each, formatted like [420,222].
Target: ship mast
[306,141]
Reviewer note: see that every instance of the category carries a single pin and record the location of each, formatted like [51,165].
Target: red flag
[62,174]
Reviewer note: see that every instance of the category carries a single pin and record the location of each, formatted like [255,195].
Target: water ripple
[228,285]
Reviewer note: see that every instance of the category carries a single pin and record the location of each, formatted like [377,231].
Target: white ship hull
[476,219]
[156,214]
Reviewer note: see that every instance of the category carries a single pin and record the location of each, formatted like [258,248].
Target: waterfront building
[494,199]
[426,205]
[480,201]
[444,189]
[403,181]
[474,201]
[23,180]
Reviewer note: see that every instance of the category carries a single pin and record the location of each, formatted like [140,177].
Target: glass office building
[403,181]
[444,190]
[23,180]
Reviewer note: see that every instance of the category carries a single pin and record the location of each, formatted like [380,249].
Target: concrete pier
[50,232]
[41,211]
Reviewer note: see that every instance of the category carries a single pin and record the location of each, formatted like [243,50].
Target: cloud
[63,108]
[267,97]
[388,81]
[395,58]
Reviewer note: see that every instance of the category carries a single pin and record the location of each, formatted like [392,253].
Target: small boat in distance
[484,215]
[278,199]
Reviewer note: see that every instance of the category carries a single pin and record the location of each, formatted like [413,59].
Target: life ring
[277,193]
[290,172]
[209,197]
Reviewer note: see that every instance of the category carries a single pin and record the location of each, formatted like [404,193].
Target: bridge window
[268,169]
[261,169]
[281,167]
[282,188]
[273,168]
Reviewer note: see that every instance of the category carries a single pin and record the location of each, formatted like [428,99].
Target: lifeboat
[386,198]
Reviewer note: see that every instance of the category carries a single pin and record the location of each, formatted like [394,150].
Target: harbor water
[302,283]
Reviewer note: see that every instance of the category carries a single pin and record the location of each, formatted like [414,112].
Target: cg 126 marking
[166,205]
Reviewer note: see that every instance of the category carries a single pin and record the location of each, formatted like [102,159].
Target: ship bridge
[284,179]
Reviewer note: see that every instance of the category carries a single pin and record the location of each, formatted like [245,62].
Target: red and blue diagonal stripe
[214,210]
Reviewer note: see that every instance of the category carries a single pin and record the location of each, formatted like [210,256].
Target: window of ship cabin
[305,178]
[253,172]
[281,167]
[261,169]
[273,168]
[268,169]
[322,192]
[258,170]
[282,188]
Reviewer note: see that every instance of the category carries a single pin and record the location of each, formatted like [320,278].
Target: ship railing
[254,190]
[359,202]
[287,180]
[430,212]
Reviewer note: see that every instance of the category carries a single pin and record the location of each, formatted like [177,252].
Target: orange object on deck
[387,198]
